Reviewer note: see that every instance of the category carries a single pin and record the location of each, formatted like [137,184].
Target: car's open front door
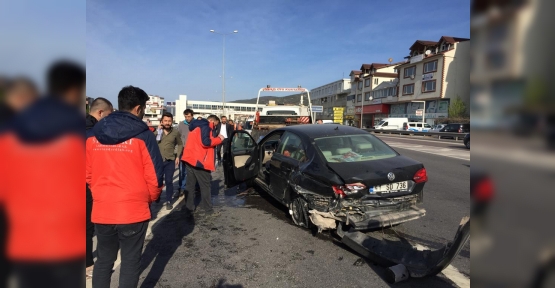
[241,163]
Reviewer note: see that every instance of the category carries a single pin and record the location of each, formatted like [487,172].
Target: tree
[457,108]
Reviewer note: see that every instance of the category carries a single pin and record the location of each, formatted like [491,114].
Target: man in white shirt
[224,129]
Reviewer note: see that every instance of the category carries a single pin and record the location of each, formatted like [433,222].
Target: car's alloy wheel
[299,208]
[467,144]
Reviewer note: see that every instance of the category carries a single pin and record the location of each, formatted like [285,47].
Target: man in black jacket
[225,129]
[99,109]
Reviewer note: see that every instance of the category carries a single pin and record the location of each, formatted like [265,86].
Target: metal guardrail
[455,136]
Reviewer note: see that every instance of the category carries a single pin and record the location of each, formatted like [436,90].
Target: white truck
[392,124]
[274,116]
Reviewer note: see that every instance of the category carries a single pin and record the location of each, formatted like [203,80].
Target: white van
[419,126]
[392,124]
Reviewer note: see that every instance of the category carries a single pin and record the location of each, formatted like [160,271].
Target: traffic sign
[419,112]
[317,109]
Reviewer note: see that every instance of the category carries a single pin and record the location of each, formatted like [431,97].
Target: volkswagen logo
[390,176]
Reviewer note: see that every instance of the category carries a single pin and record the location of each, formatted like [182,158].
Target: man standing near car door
[225,129]
[183,128]
[170,143]
[99,109]
[199,157]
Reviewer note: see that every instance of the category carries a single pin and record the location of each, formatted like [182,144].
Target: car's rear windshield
[353,148]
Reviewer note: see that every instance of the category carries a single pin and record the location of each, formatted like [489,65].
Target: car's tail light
[338,191]
[483,191]
[420,176]
[348,189]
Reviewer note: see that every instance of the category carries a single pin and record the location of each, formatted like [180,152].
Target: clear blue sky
[165,47]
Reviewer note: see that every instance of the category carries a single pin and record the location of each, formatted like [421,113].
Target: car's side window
[242,142]
[384,124]
[291,146]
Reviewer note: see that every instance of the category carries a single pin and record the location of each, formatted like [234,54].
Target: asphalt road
[253,242]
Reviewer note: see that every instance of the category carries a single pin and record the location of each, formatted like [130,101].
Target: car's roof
[323,130]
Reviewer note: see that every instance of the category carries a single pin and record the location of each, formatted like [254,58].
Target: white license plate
[390,187]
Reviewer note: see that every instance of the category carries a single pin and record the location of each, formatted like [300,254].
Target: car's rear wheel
[467,144]
[299,212]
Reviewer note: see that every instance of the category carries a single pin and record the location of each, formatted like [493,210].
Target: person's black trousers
[111,238]
[169,169]
[89,261]
[221,148]
[203,177]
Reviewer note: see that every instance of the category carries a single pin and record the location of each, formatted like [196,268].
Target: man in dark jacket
[100,108]
[124,169]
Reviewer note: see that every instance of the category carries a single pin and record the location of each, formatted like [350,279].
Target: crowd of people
[128,164]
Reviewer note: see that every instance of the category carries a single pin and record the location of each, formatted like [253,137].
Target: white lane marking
[450,272]
[446,152]
[460,142]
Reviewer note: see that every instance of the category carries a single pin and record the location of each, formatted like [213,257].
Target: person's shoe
[169,205]
[176,194]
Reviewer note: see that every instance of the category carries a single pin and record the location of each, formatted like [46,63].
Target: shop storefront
[435,109]
[370,114]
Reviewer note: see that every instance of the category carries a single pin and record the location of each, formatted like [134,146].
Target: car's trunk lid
[372,173]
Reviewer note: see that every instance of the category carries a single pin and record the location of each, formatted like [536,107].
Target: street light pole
[223,67]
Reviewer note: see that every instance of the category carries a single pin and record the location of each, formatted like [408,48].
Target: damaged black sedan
[330,176]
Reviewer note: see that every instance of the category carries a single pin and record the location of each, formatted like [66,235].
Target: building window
[195,106]
[410,71]
[359,85]
[243,108]
[408,89]
[367,96]
[366,82]
[376,81]
[429,86]
[430,67]
[359,98]
[201,106]
[214,107]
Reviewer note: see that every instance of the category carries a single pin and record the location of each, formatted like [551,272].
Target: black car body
[466,140]
[456,128]
[329,175]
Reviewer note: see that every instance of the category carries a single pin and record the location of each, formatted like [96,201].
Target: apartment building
[331,95]
[435,72]
[154,109]
[367,79]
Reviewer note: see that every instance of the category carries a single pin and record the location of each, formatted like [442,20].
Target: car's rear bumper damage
[361,214]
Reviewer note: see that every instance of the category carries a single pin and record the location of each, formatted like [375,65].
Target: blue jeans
[182,175]
[169,169]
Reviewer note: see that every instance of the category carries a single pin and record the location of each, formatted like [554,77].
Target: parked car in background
[437,128]
[418,126]
[329,176]
[455,128]
[467,140]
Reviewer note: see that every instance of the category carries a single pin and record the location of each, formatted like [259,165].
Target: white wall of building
[180,106]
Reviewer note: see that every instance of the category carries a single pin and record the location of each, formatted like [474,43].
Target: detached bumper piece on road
[385,220]
[406,259]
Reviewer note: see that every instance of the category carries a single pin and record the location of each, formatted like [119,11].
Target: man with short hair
[124,169]
[100,108]
[199,157]
[169,140]
[45,242]
[183,128]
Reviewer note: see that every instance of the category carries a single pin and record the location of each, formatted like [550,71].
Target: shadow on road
[167,236]
[221,284]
